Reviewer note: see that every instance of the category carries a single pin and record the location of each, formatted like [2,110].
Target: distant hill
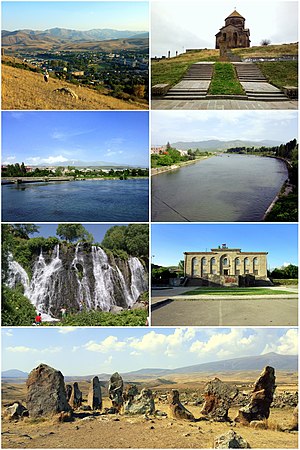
[14,373]
[216,145]
[81,164]
[247,363]
[62,39]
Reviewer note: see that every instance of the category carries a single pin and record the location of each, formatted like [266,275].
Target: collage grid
[149,223]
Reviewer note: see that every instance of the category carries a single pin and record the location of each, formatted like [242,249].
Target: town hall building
[226,266]
[233,34]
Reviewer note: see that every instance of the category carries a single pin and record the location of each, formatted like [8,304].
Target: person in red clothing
[38,319]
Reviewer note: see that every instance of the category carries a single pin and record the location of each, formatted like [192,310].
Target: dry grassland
[112,431]
[22,89]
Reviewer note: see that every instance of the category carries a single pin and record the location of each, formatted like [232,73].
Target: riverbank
[163,169]
[25,180]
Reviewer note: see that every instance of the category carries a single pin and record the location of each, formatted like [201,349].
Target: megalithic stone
[115,390]
[177,410]
[261,398]
[218,397]
[46,392]
[95,395]
[76,397]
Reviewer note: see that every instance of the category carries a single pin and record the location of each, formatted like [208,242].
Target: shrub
[16,308]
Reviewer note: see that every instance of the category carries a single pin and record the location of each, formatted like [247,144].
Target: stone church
[233,34]
[225,266]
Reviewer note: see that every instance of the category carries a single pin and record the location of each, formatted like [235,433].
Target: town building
[226,266]
[234,34]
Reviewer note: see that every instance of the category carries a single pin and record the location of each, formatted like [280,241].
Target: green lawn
[235,291]
[224,81]
[280,73]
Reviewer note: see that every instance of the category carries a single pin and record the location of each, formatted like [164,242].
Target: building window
[214,272]
[255,272]
[194,266]
[213,261]
[225,262]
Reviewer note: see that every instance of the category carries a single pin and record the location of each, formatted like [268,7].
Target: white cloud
[23,349]
[170,345]
[7,333]
[66,330]
[135,353]
[9,160]
[225,344]
[49,160]
[108,361]
[287,344]
[75,348]
[111,343]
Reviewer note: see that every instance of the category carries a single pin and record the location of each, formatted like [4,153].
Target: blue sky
[88,351]
[169,242]
[76,15]
[53,137]
[191,126]
[97,230]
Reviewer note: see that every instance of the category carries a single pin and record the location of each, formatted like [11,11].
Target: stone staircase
[255,84]
[249,72]
[194,85]
[199,72]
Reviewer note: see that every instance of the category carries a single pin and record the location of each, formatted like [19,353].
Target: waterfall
[138,282]
[68,276]
[41,290]
[82,279]
[128,297]
[16,274]
[104,280]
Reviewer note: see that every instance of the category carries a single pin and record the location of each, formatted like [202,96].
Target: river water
[78,201]
[224,188]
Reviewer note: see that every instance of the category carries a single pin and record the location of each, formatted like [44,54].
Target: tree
[137,240]
[265,42]
[24,230]
[114,238]
[73,232]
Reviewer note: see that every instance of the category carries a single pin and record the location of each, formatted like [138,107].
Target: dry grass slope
[22,89]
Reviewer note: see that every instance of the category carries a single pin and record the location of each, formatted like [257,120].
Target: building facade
[226,266]
[233,34]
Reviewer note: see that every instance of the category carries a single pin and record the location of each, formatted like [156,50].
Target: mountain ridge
[215,144]
[246,363]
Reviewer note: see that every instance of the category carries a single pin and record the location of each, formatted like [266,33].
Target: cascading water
[83,283]
[104,280]
[138,282]
[67,277]
[41,290]
[16,274]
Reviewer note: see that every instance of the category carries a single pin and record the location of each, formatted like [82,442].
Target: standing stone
[115,390]
[76,397]
[294,424]
[130,392]
[142,403]
[94,395]
[177,410]
[68,391]
[261,398]
[46,392]
[218,397]
[231,440]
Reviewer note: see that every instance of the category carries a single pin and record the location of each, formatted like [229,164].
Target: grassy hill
[23,89]
[172,70]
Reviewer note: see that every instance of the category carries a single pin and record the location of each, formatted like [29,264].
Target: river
[77,201]
[224,188]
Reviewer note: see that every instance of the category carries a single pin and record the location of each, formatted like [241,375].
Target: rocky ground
[99,430]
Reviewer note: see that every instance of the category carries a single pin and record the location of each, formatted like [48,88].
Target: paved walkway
[229,312]
[222,104]
[191,92]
